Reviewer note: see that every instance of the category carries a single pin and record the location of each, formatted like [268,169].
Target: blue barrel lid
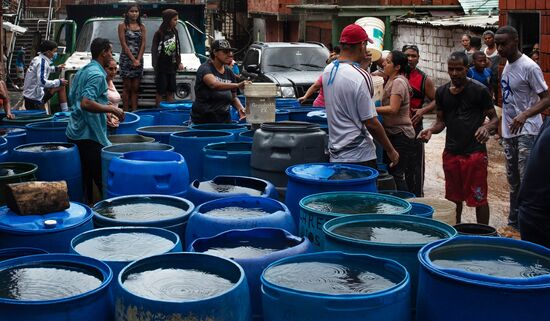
[75,215]
[326,172]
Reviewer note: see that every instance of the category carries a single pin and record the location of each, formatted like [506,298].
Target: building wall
[435,45]
[270,6]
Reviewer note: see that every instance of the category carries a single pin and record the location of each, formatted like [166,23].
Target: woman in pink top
[112,94]
[320,100]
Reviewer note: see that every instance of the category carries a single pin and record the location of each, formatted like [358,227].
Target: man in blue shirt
[87,126]
[479,71]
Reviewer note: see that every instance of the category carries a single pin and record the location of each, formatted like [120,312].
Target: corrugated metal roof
[479,21]
[474,7]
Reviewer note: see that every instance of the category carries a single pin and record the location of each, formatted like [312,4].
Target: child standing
[166,57]
[479,70]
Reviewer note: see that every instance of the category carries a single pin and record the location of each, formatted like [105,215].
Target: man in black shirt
[216,87]
[462,106]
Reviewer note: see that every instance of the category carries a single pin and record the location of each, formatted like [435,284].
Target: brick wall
[270,6]
[435,45]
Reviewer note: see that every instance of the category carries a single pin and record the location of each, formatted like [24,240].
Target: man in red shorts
[462,105]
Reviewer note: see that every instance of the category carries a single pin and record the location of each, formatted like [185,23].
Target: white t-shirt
[349,103]
[521,83]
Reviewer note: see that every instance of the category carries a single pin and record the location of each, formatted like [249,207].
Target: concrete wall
[435,45]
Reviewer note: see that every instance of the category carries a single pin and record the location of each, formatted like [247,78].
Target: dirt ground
[498,186]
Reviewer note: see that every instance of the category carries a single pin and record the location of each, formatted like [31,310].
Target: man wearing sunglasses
[423,88]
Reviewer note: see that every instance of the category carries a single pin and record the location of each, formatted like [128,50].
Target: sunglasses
[407,47]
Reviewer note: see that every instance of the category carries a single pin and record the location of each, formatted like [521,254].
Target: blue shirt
[483,77]
[89,82]
[20,58]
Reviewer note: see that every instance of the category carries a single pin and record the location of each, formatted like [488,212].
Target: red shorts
[466,178]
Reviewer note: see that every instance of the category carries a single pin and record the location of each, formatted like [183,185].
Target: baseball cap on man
[222,44]
[354,34]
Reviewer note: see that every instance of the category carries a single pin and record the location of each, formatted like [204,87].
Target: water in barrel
[124,246]
[498,262]
[329,277]
[211,187]
[176,285]
[236,212]
[141,212]
[42,148]
[358,206]
[46,282]
[244,250]
[389,232]
[11,171]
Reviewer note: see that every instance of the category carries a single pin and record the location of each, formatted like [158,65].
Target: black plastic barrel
[277,146]
[475,229]
[15,173]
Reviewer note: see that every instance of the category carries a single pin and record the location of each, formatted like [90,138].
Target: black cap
[222,44]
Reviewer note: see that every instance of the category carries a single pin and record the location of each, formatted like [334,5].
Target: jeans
[417,178]
[403,172]
[516,150]
[90,162]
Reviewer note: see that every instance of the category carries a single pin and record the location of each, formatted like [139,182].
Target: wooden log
[30,198]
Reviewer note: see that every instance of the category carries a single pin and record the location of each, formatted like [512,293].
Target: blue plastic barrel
[302,301]
[287,103]
[483,278]
[227,158]
[318,116]
[16,135]
[62,116]
[56,162]
[282,115]
[173,117]
[401,194]
[421,210]
[119,246]
[190,144]
[14,252]
[300,114]
[29,112]
[230,186]
[22,120]
[148,172]
[47,131]
[148,112]
[201,224]
[51,232]
[247,136]
[4,155]
[168,212]
[129,139]
[271,245]
[178,104]
[94,304]
[130,124]
[232,128]
[229,302]
[161,133]
[307,179]
[402,248]
[317,209]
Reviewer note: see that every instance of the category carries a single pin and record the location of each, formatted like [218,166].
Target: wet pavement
[434,185]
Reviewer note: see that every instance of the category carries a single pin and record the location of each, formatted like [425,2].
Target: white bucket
[375,29]
[444,210]
[378,83]
[260,102]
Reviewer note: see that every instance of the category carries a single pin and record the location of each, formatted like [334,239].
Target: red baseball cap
[353,34]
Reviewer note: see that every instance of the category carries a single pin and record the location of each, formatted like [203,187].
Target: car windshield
[109,29]
[294,58]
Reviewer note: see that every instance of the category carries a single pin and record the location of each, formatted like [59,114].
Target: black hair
[167,16]
[508,30]
[478,54]
[47,45]
[127,20]
[460,56]
[98,46]
[489,33]
[398,58]
[108,61]
[467,35]
[475,42]
[336,49]
[413,47]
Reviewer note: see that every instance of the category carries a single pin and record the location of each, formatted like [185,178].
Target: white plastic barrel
[378,83]
[444,210]
[260,102]
[375,29]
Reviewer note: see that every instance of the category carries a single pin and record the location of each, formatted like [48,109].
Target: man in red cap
[351,115]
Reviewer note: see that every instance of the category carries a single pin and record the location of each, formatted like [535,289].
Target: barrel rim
[337,297]
[151,129]
[32,168]
[481,280]
[173,257]
[274,231]
[283,207]
[42,125]
[155,156]
[184,217]
[85,236]
[303,201]
[86,218]
[106,148]
[328,228]
[70,147]
[3,142]
[193,185]
[475,225]
[293,176]
[229,126]
[103,268]
[19,249]
[133,121]
[216,133]
[210,148]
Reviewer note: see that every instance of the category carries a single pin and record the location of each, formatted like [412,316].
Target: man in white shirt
[524,97]
[351,114]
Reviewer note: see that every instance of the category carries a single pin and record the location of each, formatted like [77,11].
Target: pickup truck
[74,38]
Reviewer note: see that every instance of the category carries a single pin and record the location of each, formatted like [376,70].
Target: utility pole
[302,24]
